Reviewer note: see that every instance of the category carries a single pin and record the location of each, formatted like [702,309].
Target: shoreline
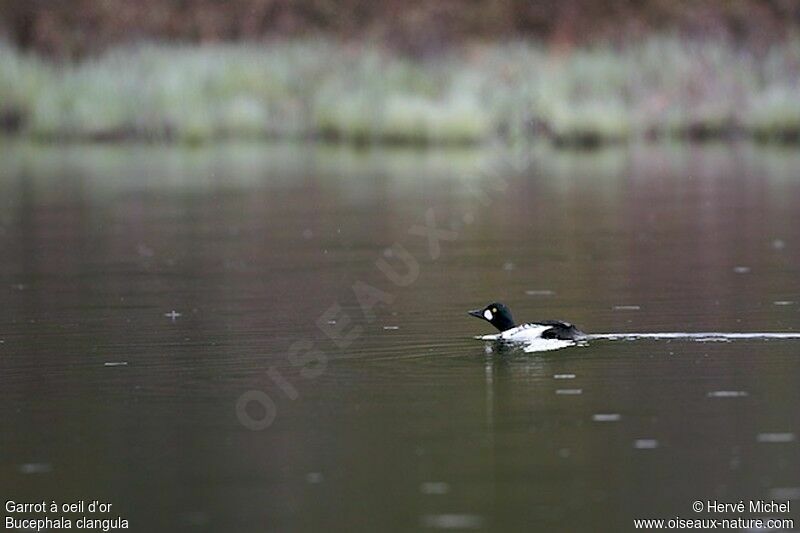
[661,87]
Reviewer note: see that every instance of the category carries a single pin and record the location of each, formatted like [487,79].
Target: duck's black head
[496,314]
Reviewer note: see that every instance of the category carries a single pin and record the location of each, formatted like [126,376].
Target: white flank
[529,337]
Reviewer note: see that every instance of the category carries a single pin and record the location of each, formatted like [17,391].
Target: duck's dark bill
[476,313]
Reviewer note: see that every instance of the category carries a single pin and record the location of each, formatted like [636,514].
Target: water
[697,337]
[146,289]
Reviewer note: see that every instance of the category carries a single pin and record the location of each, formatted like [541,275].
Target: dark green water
[412,425]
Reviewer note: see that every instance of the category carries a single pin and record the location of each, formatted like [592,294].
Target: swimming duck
[499,315]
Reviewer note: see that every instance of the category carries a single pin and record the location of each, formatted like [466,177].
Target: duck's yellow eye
[494,309]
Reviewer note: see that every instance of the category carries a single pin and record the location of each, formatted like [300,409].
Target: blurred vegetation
[579,72]
[76,28]
[321,88]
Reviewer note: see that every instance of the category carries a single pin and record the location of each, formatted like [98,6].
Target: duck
[499,315]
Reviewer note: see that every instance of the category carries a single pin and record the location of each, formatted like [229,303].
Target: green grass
[662,86]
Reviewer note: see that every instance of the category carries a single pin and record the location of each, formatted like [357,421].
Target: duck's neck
[503,323]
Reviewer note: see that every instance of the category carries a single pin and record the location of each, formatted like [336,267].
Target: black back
[561,330]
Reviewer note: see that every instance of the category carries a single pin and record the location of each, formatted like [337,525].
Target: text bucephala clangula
[499,316]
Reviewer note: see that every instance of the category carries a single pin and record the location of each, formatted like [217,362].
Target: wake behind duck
[548,335]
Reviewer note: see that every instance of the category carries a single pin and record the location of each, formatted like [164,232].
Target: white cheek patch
[487,315]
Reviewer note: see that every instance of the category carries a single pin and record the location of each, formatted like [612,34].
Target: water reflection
[145,288]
